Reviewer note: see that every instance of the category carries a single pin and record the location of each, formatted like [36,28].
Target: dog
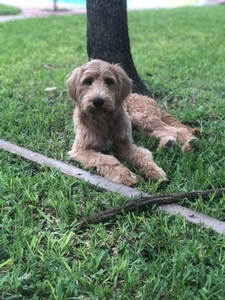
[104,114]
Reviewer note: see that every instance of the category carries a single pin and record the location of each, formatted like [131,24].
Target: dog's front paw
[154,173]
[123,175]
[128,180]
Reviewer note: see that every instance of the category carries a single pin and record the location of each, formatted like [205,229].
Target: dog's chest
[107,133]
[103,132]
[104,136]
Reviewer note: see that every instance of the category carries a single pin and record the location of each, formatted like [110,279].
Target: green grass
[8,10]
[180,53]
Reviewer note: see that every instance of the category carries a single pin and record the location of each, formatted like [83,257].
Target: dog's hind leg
[170,120]
[106,165]
[147,116]
[141,158]
[166,134]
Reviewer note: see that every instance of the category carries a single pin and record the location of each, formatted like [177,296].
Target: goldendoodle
[103,118]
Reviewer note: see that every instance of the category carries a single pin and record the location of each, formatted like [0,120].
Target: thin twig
[142,202]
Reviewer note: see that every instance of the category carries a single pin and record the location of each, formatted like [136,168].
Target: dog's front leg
[141,158]
[106,165]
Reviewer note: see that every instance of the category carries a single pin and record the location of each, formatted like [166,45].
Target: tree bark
[55,5]
[108,39]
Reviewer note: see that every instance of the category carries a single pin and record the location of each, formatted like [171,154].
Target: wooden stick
[145,201]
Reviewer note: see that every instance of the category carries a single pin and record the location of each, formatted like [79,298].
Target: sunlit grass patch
[9,10]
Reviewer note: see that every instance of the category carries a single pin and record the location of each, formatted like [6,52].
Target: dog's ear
[72,83]
[125,83]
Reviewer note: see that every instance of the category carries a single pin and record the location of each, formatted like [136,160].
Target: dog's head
[98,86]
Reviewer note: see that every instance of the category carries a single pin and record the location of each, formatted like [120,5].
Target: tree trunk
[55,5]
[108,39]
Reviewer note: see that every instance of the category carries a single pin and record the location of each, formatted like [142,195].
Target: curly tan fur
[105,109]
[145,115]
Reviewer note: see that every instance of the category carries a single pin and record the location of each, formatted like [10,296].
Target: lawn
[8,10]
[180,53]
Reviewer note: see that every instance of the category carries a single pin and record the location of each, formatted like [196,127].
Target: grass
[142,255]
[8,10]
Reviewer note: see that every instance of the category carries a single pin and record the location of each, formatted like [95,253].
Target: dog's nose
[98,102]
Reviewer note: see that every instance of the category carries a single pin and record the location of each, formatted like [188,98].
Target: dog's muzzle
[98,102]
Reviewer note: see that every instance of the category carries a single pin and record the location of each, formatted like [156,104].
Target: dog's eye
[109,81]
[88,81]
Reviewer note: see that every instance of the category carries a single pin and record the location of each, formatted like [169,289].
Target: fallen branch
[142,202]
